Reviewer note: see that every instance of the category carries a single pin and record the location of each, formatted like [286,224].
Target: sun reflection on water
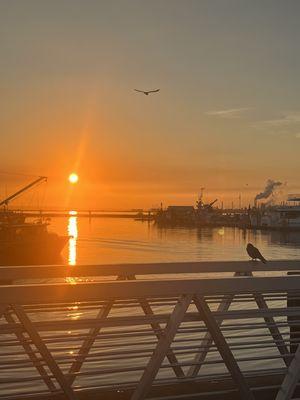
[73,233]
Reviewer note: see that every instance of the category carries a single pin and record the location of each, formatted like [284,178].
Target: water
[123,240]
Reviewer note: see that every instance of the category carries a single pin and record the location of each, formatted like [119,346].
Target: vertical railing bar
[46,354]
[156,327]
[223,347]
[162,347]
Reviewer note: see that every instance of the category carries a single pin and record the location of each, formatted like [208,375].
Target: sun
[73,178]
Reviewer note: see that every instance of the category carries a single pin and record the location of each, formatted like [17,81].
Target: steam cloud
[269,189]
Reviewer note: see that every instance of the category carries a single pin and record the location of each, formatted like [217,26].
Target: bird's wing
[137,90]
[261,257]
[255,253]
[154,91]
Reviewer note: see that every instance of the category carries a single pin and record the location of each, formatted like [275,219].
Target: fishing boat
[29,241]
[23,242]
[201,215]
[176,216]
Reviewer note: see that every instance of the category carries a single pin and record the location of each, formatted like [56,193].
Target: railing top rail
[62,271]
[98,291]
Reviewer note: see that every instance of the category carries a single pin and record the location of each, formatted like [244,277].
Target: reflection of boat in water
[24,242]
[284,237]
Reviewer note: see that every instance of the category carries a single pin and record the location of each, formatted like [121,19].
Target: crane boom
[213,202]
[30,185]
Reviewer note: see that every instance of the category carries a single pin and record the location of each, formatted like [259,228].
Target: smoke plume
[269,189]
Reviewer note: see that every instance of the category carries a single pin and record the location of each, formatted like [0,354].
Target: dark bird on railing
[254,253]
[146,92]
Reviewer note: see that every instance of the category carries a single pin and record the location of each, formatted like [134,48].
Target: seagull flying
[254,253]
[146,92]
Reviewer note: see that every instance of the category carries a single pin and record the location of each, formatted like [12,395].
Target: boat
[16,217]
[176,216]
[282,217]
[29,241]
[140,216]
[201,215]
[23,242]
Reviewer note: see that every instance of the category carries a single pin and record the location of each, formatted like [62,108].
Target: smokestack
[268,190]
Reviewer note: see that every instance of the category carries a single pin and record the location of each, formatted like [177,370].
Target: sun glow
[73,178]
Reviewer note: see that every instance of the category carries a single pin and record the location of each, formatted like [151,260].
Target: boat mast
[11,197]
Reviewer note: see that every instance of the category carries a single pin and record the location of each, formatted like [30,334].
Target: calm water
[112,240]
[118,240]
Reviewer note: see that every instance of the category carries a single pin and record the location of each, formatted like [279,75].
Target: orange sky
[227,116]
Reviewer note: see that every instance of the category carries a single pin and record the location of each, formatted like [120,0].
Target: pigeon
[146,92]
[254,253]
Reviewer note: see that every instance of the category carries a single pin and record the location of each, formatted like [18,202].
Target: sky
[227,117]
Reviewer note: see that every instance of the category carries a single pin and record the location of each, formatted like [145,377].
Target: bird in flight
[254,253]
[146,92]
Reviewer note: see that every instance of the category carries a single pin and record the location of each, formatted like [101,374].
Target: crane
[27,187]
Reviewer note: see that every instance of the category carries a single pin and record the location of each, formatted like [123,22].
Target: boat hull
[38,251]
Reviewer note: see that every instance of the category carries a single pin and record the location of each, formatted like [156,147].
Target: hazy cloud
[230,113]
[288,118]
[288,123]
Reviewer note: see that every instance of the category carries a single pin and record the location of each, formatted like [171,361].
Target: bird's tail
[263,260]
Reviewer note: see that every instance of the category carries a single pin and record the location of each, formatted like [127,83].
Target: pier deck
[206,330]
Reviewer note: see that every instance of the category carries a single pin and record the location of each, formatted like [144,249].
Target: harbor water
[120,240]
[114,240]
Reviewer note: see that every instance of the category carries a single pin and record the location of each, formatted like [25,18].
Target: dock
[163,331]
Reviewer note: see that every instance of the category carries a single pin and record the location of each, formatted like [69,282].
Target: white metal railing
[140,335]
[62,271]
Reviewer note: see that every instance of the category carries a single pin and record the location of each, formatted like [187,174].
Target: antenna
[201,193]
